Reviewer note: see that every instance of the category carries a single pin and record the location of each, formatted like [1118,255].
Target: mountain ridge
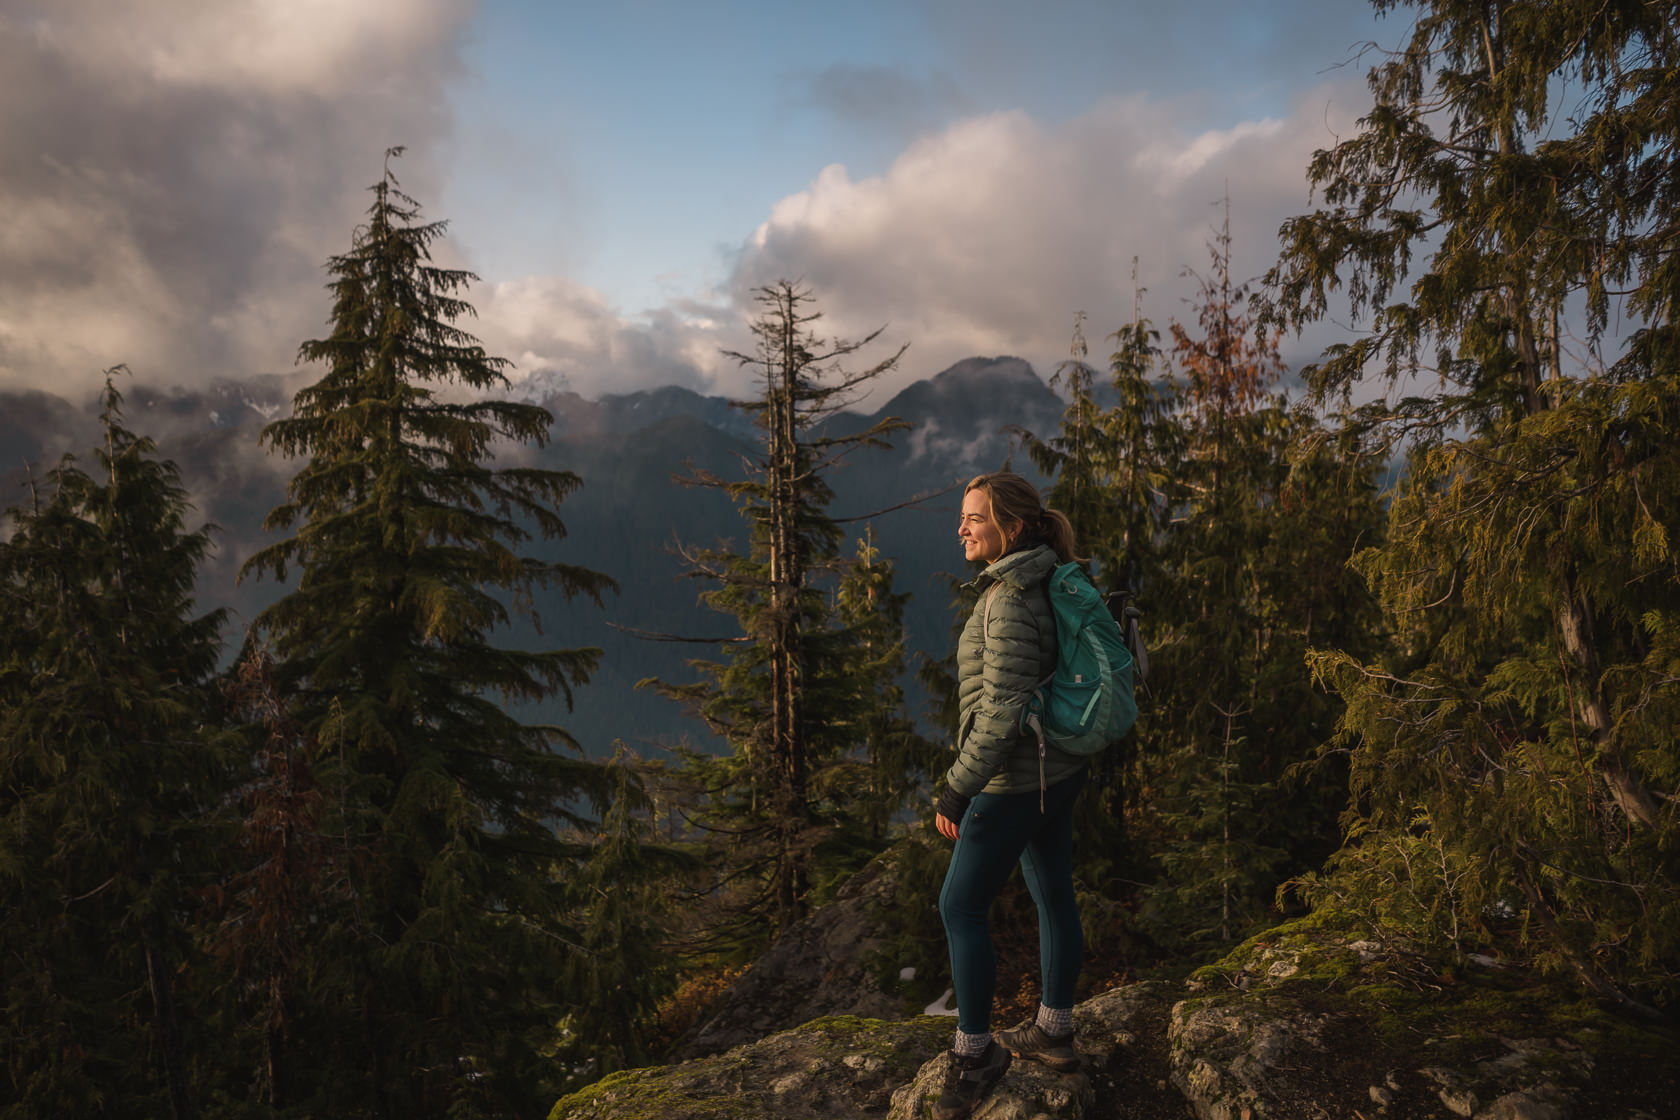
[626,520]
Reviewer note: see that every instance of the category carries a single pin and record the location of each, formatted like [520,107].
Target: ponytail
[1057,532]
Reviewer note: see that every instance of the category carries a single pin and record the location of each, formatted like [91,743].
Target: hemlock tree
[1112,470]
[623,895]
[437,982]
[1505,218]
[1266,509]
[787,698]
[1207,783]
[1112,466]
[110,777]
[285,873]
[891,762]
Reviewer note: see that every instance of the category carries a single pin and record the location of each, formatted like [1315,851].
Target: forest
[1413,616]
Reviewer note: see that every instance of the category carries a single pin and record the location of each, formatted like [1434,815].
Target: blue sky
[668,129]
[622,176]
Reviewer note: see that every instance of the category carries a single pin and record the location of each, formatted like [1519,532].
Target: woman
[999,804]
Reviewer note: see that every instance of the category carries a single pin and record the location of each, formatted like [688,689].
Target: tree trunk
[1575,619]
[165,1020]
[787,576]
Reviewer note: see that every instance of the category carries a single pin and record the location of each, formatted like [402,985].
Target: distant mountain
[627,519]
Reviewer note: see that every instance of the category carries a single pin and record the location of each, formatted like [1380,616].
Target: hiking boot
[1029,1040]
[969,1079]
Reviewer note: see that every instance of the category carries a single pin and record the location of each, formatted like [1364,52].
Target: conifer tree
[1113,469]
[1509,249]
[437,982]
[787,698]
[891,761]
[1200,770]
[285,874]
[110,776]
[622,896]
[1207,498]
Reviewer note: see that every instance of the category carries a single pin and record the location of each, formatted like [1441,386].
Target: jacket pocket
[965,727]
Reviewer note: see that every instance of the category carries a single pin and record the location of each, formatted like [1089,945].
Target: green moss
[883,1038]
[1455,1014]
[692,1090]
[1317,942]
[634,1095]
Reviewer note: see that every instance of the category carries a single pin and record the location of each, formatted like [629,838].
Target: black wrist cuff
[952,805]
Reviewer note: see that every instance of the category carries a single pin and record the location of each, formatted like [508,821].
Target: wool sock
[972,1045]
[1055,1020]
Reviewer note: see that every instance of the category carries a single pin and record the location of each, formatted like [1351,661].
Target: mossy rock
[1311,1012]
[840,1066]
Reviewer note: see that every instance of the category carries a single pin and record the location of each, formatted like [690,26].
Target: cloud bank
[983,239]
[175,173]
[988,237]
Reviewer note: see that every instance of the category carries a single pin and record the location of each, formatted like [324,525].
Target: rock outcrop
[1308,1021]
[836,1068]
[822,966]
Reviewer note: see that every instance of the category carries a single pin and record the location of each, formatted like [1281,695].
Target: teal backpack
[1087,702]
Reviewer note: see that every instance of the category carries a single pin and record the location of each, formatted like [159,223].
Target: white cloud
[981,240]
[175,173]
[321,47]
[552,326]
[986,238]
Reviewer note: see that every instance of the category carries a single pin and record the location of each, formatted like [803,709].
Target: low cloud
[562,334]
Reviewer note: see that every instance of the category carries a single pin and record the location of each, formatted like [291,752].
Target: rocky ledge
[1310,1020]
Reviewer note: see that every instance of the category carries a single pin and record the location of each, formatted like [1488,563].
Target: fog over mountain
[626,519]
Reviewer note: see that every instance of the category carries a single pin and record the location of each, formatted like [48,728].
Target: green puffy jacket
[996,674]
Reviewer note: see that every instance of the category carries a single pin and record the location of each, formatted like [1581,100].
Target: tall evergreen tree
[109,777]
[891,761]
[1113,470]
[788,697]
[622,896]
[285,870]
[437,982]
[1261,502]
[1505,218]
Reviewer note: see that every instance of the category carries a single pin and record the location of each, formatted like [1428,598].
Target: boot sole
[1060,1065]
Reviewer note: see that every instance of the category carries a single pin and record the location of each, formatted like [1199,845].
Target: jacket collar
[1022,568]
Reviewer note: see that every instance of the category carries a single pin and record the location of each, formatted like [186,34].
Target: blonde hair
[1014,501]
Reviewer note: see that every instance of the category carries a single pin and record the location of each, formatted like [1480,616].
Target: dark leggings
[997,830]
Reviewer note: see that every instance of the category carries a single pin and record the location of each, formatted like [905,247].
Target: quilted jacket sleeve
[1009,675]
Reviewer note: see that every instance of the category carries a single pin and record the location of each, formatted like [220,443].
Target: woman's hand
[947,811]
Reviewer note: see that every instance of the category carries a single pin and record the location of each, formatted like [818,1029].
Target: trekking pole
[1127,615]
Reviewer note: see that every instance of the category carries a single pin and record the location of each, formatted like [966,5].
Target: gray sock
[972,1045]
[1055,1020]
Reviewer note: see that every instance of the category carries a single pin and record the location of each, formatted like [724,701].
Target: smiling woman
[982,539]
[1008,799]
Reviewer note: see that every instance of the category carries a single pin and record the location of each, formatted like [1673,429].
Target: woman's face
[982,538]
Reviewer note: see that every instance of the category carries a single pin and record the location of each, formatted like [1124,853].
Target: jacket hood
[1020,569]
